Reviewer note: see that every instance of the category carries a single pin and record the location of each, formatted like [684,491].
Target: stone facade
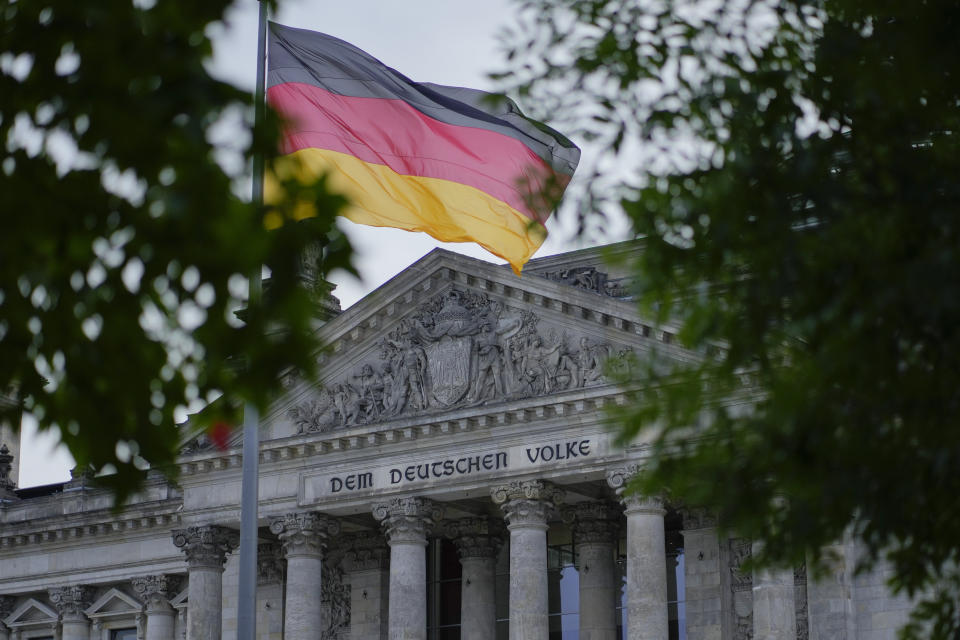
[460,406]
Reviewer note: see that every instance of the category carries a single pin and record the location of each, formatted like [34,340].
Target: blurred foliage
[793,168]
[127,231]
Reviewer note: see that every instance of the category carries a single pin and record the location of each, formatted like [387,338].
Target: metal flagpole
[247,599]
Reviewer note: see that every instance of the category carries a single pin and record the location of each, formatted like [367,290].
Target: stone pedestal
[156,591]
[774,615]
[703,576]
[366,562]
[206,548]
[527,506]
[595,528]
[304,537]
[71,603]
[405,523]
[647,617]
[478,540]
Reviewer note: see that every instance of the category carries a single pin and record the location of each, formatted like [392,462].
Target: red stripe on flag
[394,134]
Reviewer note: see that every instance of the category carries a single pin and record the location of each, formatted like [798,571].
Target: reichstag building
[452,476]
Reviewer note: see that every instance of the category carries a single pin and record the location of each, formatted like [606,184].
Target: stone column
[206,548]
[71,602]
[366,561]
[527,506]
[478,540]
[304,537]
[596,526]
[774,615]
[405,522]
[155,592]
[703,576]
[647,617]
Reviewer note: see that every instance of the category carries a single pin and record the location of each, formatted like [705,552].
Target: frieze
[459,349]
[800,601]
[741,583]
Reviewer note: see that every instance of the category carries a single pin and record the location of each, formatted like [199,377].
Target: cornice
[88,525]
[567,406]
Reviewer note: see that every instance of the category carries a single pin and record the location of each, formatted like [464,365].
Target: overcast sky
[451,43]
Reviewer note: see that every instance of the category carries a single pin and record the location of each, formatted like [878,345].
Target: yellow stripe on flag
[448,211]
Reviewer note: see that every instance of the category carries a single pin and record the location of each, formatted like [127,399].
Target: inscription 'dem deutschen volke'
[450,467]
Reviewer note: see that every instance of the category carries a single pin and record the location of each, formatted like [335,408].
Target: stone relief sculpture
[589,278]
[334,603]
[458,349]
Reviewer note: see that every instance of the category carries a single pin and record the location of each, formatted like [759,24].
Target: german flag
[459,164]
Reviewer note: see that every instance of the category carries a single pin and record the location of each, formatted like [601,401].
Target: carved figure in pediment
[347,401]
[409,369]
[369,386]
[488,380]
[317,414]
[590,361]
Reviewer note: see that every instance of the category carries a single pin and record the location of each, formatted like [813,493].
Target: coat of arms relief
[460,349]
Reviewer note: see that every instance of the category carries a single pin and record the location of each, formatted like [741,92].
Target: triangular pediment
[31,612]
[114,602]
[451,333]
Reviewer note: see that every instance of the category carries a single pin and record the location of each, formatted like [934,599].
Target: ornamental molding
[593,522]
[584,403]
[156,590]
[334,604]
[112,603]
[304,533]
[365,552]
[271,566]
[698,518]
[527,503]
[407,520]
[54,530]
[206,547]
[476,537]
[32,613]
[459,349]
[71,602]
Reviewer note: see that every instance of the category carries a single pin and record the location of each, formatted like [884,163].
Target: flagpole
[249,499]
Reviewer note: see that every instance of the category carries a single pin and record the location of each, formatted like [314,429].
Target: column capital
[526,503]
[72,601]
[365,552]
[156,590]
[619,477]
[476,537]
[593,521]
[207,546]
[270,563]
[304,533]
[407,520]
[698,518]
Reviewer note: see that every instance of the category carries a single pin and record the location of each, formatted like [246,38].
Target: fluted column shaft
[647,616]
[206,548]
[405,522]
[527,506]
[595,529]
[304,538]
[477,540]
